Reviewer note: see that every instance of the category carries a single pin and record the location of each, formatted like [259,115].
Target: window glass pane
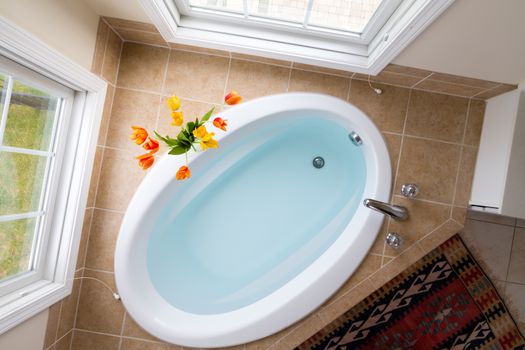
[228,5]
[343,14]
[16,240]
[30,119]
[289,10]
[21,181]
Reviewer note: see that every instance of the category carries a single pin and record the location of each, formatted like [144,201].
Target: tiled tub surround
[393,74]
[432,139]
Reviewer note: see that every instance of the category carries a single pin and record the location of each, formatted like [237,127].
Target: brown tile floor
[498,243]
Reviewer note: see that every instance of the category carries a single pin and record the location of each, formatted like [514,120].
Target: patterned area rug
[443,301]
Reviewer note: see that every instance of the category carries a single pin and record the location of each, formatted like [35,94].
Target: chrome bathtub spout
[396,212]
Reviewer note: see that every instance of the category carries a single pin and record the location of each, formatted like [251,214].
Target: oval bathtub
[261,234]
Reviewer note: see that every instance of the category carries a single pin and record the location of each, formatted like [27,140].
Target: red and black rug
[443,301]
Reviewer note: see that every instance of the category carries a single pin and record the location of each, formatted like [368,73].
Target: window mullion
[308,13]
[5,111]
[33,152]
[13,217]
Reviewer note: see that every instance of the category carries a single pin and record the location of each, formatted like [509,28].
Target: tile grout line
[162,89]
[113,29]
[145,43]
[289,78]
[105,50]
[435,229]
[491,222]
[510,255]
[110,210]
[116,28]
[429,201]
[437,140]
[326,73]
[71,340]
[95,332]
[260,62]
[161,94]
[192,51]
[105,138]
[122,330]
[116,336]
[349,90]
[59,339]
[226,80]
[78,302]
[348,291]
[422,80]
[487,90]
[427,139]
[454,193]
[99,270]
[59,317]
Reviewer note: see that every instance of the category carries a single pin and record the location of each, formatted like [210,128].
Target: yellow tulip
[173,102]
[208,142]
[200,132]
[177,118]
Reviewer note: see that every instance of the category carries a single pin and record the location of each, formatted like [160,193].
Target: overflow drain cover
[318,162]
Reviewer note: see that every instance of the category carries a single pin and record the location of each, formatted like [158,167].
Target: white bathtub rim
[303,293]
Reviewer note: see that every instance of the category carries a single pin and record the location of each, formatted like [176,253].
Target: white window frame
[381,41]
[44,212]
[58,260]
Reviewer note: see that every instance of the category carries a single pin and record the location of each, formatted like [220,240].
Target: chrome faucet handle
[409,190]
[394,240]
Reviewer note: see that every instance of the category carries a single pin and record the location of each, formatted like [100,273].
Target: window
[50,111]
[33,114]
[315,15]
[356,35]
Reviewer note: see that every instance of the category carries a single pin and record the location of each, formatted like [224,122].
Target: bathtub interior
[154,314]
[258,223]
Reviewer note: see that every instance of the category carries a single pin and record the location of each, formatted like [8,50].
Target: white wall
[69,26]
[26,336]
[127,9]
[481,39]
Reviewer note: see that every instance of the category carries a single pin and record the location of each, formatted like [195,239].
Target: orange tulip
[152,145]
[139,135]
[232,98]
[183,173]
[220,123]
[146,160]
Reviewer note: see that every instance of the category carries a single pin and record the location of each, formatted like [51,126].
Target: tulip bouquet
[192,133]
